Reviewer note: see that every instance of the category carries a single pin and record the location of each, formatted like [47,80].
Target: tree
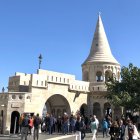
[125,93]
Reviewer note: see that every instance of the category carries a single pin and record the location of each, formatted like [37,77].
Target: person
[31,125]
[93,127]
[121,129]
[54,123]
[50,124]
[96,120]
[47,118]
[131,132]
[97,123]
[24,127]
[105,127]
[36,122]
[79,127]
[109,122]
[59,124]
[82,128]
[72,123]
[114,131]
[65,123]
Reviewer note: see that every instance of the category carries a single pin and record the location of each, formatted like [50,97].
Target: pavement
[55,136]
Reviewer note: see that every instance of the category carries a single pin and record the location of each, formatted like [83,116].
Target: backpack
[25,122]
[37,122]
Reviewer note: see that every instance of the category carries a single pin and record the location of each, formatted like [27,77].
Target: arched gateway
[14,128]
[57,105]
[61,92]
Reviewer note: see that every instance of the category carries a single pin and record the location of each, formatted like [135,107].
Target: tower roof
[100,49]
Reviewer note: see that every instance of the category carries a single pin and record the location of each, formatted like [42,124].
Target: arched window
[99,76]
[108,74]
[97,110]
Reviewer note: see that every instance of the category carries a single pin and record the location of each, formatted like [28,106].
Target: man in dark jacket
[50,124]
[24,126]
[37,122]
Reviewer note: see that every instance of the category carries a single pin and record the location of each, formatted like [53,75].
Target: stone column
[90,104]
[102,109]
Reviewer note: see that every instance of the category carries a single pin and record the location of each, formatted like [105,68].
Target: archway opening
[14,128]
[99,76]
[83,110]
[108,75]
[57,105]
[97,110]
[107,109]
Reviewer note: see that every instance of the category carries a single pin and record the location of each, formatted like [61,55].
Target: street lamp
[40,60]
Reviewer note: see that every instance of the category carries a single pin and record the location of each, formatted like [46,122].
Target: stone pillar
[7,121]
[102,109]
[90,104]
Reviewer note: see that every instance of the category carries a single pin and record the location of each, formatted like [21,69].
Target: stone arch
[99,76]
[14,122]
[97,110]
[85,76]
[57,105]
[83,109]
[108,74]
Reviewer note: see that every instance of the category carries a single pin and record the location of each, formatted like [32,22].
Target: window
[28,97]
[108,74]
[20,97]
[67,80]
[13,96]
[99,77]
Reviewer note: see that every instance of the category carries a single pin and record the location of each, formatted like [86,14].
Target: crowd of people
[119,129]
[29,125]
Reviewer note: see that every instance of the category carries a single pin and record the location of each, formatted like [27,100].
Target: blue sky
[62,31]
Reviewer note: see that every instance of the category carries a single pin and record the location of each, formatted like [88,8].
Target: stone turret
[100,64]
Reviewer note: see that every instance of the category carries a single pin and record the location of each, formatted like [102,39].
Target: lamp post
[40,60]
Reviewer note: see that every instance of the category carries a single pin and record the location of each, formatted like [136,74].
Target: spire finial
[40,60]
[99,13]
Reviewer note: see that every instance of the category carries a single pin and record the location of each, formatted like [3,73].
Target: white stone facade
[61,92]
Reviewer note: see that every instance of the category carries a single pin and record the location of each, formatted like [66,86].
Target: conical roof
[100,49]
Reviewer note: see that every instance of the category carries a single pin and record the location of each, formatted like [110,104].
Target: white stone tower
[99,66]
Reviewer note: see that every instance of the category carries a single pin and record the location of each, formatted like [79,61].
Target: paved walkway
[44,136]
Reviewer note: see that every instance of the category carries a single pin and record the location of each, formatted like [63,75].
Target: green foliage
[125,93]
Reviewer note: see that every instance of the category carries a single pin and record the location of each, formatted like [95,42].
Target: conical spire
[100,49]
